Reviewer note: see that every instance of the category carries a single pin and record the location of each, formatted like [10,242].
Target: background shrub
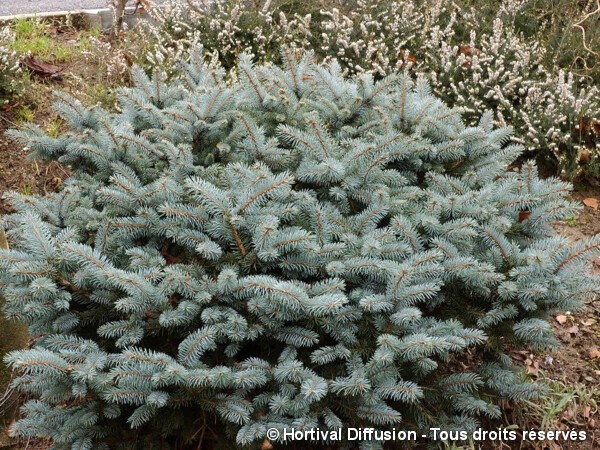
[477,55]
[10,72]
[289,249]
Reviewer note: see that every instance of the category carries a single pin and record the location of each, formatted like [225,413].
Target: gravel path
[9,7]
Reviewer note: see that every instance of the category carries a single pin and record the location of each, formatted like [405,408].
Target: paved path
[9,7]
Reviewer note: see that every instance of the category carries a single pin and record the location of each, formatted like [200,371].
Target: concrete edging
[100,18]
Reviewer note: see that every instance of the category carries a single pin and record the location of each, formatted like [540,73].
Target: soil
[18,172]
[577,361]
[90,75]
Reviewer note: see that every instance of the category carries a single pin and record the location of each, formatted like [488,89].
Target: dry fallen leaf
[573,330]
[408,58]
[584,156]
[553,445]
[41,68]
[586,411]
[266,445]
[520,355]
[561,318]
[593,352]
[468,51]
[568,413]
[532,367]
[588,322]
[583,125]
[591,202]
[3,241]
[524,215]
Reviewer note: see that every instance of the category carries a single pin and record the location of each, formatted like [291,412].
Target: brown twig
[238,240]
[580,27]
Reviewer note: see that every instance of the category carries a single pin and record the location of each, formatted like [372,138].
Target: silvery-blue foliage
[280,248]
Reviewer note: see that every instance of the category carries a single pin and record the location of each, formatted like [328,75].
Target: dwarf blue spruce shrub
[279,248]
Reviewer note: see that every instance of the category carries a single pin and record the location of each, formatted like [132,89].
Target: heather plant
[471,62]
[280,247]
[10,72]
[566,30]
[503,72]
